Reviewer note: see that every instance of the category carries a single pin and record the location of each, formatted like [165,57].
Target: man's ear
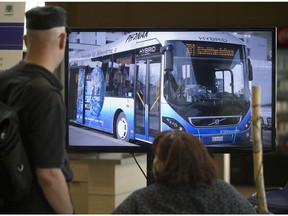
[63,37]
[25,40]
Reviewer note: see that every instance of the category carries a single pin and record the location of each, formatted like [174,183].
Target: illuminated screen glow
[133,83]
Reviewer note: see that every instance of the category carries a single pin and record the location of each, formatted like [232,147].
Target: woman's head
[180,158]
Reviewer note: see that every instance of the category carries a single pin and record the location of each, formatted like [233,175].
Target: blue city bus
[146,82]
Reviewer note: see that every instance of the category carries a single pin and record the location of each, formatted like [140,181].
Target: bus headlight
[248,124]
[172,123]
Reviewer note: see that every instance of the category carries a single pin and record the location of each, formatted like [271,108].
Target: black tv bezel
[141,147]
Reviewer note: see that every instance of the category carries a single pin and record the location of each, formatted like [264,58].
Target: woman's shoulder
[152,189]
[226,189]
[223,185]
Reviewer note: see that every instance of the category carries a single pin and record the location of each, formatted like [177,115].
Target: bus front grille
[215,121]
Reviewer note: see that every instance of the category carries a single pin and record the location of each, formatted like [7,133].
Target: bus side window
[113,83]
[126,82]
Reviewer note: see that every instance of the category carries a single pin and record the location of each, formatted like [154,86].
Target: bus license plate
[217,138]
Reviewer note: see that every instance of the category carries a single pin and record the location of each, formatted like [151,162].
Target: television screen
[132,83]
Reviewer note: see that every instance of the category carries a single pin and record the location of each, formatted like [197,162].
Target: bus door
[147,98]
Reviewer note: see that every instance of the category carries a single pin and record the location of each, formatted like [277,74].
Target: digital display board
[216,50]
[139,82]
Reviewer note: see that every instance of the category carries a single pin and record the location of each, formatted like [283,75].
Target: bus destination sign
[194,49]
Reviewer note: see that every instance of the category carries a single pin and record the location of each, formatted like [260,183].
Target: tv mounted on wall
[133,83]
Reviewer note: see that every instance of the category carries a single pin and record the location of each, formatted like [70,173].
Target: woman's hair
[180,158]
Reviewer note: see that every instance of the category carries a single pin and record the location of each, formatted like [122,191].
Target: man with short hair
[42,120]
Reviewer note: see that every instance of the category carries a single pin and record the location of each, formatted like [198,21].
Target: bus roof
[136,40]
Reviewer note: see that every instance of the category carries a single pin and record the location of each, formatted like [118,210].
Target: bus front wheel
[122,127]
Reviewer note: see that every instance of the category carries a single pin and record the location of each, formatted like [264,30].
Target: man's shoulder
[40,83]
[9,72]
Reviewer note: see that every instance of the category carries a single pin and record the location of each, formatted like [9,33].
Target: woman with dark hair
[186,182]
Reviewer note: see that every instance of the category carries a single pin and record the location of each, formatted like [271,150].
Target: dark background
[173,14]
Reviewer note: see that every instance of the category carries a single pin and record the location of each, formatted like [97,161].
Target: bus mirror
[168,57]
[250,70]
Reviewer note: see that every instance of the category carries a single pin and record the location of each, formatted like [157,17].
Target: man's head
[44,18]
[46,36]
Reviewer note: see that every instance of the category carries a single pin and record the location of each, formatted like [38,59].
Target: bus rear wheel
[122,127]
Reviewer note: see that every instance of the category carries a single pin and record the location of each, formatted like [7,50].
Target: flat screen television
[132,83]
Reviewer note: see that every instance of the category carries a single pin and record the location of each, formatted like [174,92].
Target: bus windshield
[207,79]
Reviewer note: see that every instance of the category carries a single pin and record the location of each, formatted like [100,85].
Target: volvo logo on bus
[216,121]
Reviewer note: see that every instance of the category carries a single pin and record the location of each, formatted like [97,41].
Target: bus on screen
[146,82]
